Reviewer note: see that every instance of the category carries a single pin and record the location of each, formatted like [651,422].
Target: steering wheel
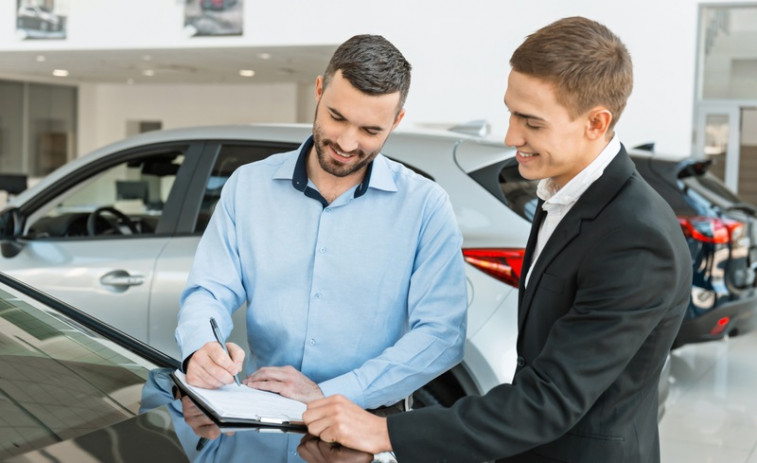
[121,218]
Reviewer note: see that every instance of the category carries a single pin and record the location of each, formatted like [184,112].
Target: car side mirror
[11,227]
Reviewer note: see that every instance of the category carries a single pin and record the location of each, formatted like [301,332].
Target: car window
[713,188]
[124,199]
[654,173]
[229,158]
[59,380]
[503,180]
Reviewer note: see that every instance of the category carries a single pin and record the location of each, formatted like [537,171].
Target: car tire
[444,391]
[424,398]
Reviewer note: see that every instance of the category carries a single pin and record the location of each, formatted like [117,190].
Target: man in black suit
[607,277]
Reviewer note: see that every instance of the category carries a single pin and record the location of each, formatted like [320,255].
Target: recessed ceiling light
[41,58]
[246,72]
[147,57]
[60,73]
[264,56]
[148,72]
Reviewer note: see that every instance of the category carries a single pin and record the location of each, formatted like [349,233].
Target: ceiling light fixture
[60,73]
[41,58]
[148,72]
[246,72]
[264,56]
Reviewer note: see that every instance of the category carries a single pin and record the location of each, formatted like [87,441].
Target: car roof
[284,133]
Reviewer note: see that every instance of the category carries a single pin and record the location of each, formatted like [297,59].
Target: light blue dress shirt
[366,296]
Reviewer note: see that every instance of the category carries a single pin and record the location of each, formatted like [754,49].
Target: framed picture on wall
[41,19]
[213,17]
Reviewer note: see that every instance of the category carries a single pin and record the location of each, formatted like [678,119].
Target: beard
[331,165]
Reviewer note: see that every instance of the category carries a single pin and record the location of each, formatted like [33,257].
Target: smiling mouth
[341,154]
[527,155]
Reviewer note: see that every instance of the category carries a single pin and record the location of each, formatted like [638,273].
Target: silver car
[114,233]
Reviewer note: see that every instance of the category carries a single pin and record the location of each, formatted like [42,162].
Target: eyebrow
[529,117]
[374,128]
[524,115]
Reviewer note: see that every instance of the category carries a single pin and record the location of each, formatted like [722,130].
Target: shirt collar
[573,190]
[300,173]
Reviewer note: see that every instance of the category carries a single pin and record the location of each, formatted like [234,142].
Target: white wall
[459,51]
[105,109]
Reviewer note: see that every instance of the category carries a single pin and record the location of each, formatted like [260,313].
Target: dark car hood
[160,433]
[146,437]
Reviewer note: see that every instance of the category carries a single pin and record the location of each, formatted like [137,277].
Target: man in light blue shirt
[349,263]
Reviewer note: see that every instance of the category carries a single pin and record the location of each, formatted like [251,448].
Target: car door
[92,239]
[220,159]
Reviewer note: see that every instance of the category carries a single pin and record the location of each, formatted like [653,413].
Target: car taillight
[712,230]
[502,264]
[720,325]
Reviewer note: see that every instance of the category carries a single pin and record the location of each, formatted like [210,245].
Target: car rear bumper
[741,316]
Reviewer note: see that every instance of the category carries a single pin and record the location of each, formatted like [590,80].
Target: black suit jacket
[603,304]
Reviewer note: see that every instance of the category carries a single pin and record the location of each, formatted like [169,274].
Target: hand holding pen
[216,363]
[217,334]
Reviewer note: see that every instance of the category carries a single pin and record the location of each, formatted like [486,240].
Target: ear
[598,122]
[318,88]
[399,117]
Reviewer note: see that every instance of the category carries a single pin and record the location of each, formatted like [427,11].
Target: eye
[533,127]
[336,117]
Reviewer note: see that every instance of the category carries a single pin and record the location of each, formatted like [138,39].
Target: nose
[348,140]
[514,135]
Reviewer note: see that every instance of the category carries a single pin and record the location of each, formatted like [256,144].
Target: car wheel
[424,398]
[444,391]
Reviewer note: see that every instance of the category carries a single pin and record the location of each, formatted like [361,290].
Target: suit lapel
[588,206]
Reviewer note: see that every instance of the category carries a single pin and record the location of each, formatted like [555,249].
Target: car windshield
[58,379]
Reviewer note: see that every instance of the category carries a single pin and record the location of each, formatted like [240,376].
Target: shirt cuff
[384,457]
[346,385]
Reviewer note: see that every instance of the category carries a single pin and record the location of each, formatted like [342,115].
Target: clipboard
[238,406]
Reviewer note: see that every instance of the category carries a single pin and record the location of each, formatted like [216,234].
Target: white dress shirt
[558,201]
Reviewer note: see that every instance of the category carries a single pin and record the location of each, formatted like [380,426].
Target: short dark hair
[584,60]
[371,64]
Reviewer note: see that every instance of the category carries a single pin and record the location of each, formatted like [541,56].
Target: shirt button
[312,341]
[322,250]
[521,361]
[317,295]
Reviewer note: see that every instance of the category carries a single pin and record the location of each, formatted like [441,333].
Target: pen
[217,334]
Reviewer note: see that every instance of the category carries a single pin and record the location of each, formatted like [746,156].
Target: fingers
[323,414]
[282,374]
[336,419]
[211,368]
[286,381]
[198,421]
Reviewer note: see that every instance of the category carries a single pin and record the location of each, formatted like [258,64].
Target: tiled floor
[712,409]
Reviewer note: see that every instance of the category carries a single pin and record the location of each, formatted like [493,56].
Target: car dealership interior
[99,101]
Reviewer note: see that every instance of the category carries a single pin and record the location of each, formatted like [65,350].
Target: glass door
[717,138]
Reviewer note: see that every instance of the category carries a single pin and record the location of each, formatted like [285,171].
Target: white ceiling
[170,66]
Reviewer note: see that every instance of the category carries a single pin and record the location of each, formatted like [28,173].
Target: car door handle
[121,279]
